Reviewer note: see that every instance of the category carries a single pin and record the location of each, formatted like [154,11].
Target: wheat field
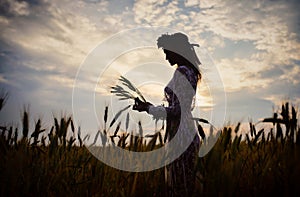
[55,161]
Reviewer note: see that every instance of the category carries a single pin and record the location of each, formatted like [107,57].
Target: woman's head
[179,44]
[178,50]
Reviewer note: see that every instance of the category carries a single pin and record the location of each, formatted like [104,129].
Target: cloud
[271,72]
[55,39]
[263,23]
[241,73]
[14,8]
[191,3]
[155,13]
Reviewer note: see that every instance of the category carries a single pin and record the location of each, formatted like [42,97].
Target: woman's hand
[140,105]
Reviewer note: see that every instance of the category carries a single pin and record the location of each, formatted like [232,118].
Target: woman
[179,93]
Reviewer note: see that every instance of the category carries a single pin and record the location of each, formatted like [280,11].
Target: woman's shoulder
[186,70]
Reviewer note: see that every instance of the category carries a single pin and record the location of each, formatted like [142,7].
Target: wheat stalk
[125,94]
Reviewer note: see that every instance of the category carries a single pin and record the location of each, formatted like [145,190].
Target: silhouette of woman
[180,95]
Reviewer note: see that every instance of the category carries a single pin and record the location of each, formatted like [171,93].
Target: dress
[180,176]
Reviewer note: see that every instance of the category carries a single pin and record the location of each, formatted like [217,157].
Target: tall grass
[56,162]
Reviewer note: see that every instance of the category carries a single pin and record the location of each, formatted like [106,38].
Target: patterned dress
[180,93]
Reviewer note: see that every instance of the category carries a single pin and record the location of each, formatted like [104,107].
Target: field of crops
[55,161]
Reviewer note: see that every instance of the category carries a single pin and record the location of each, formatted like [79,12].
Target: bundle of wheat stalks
[124,94]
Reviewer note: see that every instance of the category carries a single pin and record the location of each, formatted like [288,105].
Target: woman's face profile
[171,57]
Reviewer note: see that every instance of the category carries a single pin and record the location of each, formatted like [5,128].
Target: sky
[254,47]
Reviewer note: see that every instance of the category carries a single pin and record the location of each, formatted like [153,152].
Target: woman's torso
[182,101]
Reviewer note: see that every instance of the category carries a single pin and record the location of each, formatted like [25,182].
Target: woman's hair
[179,44]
